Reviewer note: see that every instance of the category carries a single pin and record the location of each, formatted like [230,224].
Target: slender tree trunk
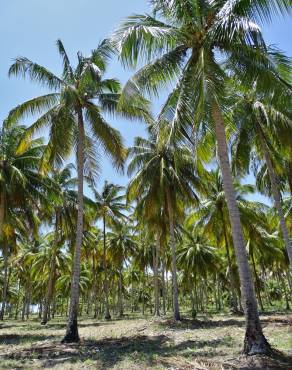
[120,293]
[231,275]
[193,300]
[40,309]
[23,306]
[72,335]
[156,252]
[176,313]
[255,341]
[289,281]
[5,252]
[257,281]
[94,288]
[52,272]
[196,291]
[163,287]
[17,301]
[5,281]
[107,314]
[2,213]
[27,308]
[276,193]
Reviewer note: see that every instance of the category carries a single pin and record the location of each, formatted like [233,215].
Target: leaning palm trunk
[276,194]
[107,314]
[72,326]
[5,282]
[176,314]
[156,282]
[255,341]
[50,288]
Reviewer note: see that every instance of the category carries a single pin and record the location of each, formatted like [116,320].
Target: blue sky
[30,28]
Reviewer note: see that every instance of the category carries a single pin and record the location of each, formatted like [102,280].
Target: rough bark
[255,341]
[156,252]
[176,313]
[72,335]
[276,193]
[107,314]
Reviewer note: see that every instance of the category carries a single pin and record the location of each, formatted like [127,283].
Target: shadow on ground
[15,339]
[151,350]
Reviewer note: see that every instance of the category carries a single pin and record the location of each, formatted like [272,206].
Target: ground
[212,342]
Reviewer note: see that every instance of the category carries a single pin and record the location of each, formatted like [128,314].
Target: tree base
[177,317]
[256,344]
[44,322]
[71,335]
[107,317]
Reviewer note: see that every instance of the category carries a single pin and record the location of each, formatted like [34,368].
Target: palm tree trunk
[51,273]
[107,314]
[231,274]
[276,193]
[156,281]
[176,313]
[23,305]
[163,287]
[120,293]
[5,254]
[286,295]
[5,281]
[2,212]
[257,280]
[72,325]
[255,341]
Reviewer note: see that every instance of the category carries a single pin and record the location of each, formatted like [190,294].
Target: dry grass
[206,343]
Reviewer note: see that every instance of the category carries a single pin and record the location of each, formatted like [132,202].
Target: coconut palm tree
[22,189]
[73,113]
[121,247]
[49,263]
[266,123]
[212,216]
[164,180]
[110,208]
[63,214]
[185,41]
[196,258]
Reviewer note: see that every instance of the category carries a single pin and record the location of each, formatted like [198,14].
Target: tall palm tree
[21,187]
[196,258]
[266,122]
[73,113]
[212,215]
[121,247]
[182,41]
[110,208]
[164,180]
[63,214]
[50,261]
